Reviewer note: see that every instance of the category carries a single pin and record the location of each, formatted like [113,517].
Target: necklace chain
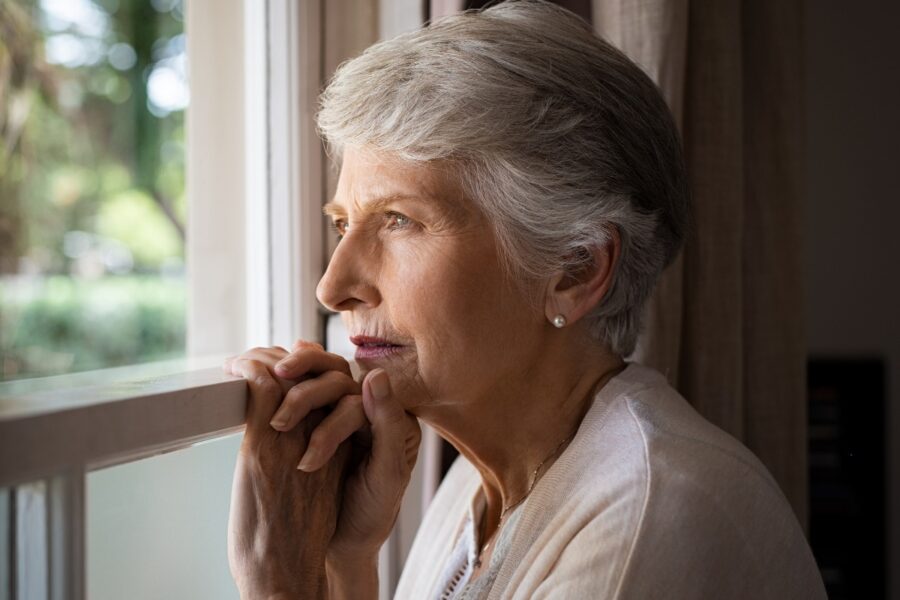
[534,479]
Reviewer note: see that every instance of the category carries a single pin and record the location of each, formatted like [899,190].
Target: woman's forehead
[369,180]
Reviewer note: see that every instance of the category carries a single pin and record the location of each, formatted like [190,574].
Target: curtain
[725,324]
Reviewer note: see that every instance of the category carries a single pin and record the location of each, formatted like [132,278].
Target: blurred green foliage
[150,244]
[92,172]
[60,324]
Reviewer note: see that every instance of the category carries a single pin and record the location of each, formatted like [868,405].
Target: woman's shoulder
[651,494]
[640,421]
[644,456]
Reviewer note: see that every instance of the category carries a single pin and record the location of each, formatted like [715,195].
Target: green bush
[61,324]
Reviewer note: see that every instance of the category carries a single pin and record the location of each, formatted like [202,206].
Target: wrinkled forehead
[369,176]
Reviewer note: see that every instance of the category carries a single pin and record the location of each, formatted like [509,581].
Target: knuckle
[296,396]
[300,353]
[335,377]
[342,364]
[267,385]
[352,404]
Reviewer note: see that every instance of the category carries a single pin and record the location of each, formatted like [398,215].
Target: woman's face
[418,281]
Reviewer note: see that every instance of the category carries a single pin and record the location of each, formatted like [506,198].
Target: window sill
[88,421]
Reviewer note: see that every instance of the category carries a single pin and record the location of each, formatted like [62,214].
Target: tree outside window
[92,168]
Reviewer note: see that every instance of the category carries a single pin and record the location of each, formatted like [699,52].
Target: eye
[397,221]
[341,227]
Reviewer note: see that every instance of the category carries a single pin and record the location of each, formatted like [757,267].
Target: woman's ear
[573,294]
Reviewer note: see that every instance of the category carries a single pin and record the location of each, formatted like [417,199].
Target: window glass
[92,168]
[158,527]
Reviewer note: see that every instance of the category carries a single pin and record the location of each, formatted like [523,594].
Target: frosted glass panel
[157,528]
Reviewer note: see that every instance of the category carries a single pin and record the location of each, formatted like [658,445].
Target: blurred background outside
[92,171]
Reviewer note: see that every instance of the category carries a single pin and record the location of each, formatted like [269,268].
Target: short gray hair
[558,137]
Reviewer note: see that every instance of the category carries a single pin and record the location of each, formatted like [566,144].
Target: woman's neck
[517,426]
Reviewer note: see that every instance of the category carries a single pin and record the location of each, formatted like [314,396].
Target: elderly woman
[511,188]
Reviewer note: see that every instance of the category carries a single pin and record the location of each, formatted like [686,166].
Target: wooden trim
[256,207]
[284,170]
[295,169]
[65,514]
[49,433]
[216,311]
[30,581]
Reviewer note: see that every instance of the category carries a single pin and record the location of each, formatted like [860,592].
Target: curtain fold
[725,323]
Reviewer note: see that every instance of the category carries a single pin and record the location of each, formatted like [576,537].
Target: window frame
[43,428]
[253,268]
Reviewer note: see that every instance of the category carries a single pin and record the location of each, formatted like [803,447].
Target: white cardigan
[648,501]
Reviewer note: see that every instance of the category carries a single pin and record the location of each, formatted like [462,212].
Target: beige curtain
[726,323]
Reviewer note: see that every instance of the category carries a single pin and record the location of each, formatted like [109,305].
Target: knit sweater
[649,500]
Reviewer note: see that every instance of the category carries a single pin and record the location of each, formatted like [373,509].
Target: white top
[648,501]
[454,582]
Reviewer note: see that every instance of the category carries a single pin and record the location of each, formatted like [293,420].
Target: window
[92,166]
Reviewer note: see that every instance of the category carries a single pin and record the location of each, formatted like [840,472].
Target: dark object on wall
[847,524]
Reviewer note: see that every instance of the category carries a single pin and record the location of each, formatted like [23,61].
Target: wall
[853,200]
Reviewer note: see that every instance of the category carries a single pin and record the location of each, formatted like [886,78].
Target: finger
[269,356]
[304,344]
[347,418]
[310,360]
[265,391]
[310,394]
[395,433]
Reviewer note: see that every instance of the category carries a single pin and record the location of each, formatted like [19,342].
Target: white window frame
[254,174]
[256,249]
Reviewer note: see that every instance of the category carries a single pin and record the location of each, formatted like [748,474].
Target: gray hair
[558,137]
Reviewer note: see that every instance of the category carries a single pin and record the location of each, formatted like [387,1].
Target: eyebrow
[333,209]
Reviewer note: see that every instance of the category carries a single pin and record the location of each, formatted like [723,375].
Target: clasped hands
[319,477]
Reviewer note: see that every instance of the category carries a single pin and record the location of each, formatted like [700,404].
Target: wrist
[300,584]
[355,578]
[360,555]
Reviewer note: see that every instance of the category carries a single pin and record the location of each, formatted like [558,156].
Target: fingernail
[286,364]
[309,460]
[279,421]
[380,385]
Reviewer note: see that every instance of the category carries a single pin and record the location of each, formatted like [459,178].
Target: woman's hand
[281,519]
[385,441]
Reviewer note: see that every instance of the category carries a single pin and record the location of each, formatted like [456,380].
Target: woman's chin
[399,363]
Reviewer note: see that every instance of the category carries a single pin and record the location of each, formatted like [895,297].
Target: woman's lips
[368,347]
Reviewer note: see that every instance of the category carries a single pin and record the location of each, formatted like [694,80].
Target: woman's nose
[348,281]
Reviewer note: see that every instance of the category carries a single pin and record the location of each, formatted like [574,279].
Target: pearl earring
[559,321]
